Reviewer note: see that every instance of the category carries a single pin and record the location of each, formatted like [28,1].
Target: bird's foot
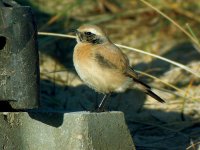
[101,110]
[94,110]
[98,110]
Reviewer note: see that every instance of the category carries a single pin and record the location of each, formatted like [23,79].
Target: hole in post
[7,5]
[2,42]
[5,107]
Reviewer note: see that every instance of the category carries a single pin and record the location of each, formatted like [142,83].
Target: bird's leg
[101,106]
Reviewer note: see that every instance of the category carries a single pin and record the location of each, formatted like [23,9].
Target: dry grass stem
[172,21]
[133,49]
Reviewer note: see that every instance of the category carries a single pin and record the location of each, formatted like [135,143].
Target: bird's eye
[88,33]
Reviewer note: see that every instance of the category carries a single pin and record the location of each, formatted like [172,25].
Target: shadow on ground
[183,53]
[150,129]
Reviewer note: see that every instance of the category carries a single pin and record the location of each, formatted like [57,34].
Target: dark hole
[7,5]
[2,42]
[5,107]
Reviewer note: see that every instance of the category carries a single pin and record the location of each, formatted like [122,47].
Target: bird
[102,66]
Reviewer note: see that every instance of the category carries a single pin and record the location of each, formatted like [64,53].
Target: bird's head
[91,34]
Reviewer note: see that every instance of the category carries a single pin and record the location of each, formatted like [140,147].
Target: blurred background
[174,125]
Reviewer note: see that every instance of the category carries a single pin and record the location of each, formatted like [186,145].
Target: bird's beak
[74,31]
[77,33]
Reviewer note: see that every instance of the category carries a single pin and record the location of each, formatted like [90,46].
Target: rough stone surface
[19,65]
[64,131]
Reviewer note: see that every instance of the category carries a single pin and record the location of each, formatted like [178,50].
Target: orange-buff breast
[103,80]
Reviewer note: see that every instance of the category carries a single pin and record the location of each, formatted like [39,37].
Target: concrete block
[64,131]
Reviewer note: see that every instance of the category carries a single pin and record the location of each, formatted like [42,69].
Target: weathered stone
[68,131]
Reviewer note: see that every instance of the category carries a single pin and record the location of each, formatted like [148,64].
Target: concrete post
[19,59]
[69,131]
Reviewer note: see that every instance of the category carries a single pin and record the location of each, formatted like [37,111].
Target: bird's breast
[83,61]
[101,79]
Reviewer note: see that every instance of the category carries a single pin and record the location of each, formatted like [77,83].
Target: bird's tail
[145,87]
[156,97]
[147,90]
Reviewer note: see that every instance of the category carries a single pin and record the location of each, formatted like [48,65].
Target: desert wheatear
[103,66]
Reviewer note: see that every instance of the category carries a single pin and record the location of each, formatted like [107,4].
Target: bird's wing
[110,56]
[131,73]
[143,86]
